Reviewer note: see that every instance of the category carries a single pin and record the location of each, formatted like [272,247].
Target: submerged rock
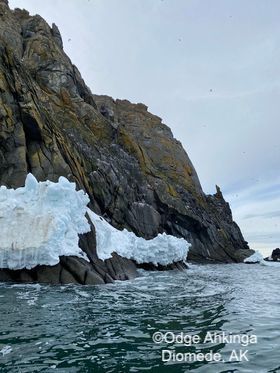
[136,174]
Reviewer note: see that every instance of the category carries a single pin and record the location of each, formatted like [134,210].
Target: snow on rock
[40,222]
[255,258]
[163,249]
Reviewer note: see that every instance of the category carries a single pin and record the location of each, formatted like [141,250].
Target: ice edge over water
[42,221]
[164,249]
[255,258]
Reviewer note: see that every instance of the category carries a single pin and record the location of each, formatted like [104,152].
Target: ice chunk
[163,249]
[255,258]
[40,222]
[31,183]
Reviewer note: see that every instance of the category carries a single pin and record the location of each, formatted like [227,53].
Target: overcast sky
[210,69]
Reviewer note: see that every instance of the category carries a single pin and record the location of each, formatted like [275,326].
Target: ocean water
[110,328]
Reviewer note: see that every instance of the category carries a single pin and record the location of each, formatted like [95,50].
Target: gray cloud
[267,215]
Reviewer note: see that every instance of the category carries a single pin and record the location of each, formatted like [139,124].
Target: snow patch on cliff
[40,222]
[163,249]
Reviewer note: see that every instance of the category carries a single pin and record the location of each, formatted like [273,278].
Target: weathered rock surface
[275,256]
[136,174]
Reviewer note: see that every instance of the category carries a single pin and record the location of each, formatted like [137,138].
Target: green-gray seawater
[109,328]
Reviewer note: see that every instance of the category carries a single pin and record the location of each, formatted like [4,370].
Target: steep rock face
[171,198]
[136,174]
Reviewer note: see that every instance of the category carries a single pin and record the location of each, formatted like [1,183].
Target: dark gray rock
[49,275]
[25,276]
[138,176]
[66,277]
[92,278]
[275,255]
[57,36]
[6,275]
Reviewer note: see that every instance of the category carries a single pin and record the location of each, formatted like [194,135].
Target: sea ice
[255,258]
[163,249]
[40,222]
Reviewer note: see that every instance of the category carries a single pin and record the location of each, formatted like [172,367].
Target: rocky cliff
[136,174]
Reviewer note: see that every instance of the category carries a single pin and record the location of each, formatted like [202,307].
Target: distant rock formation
[137,175]
[275,256]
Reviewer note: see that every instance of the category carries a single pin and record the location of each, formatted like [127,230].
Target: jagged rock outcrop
[136,174]
[274,257]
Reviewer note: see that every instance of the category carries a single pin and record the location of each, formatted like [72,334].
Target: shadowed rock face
[136,174]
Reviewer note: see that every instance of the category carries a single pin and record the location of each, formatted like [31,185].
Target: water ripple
[109,328]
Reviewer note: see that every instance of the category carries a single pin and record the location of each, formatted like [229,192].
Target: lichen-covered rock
[136,174]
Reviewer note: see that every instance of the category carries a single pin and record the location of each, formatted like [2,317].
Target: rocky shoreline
[136,174]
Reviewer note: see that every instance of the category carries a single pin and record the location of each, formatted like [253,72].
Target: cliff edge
[136,174]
